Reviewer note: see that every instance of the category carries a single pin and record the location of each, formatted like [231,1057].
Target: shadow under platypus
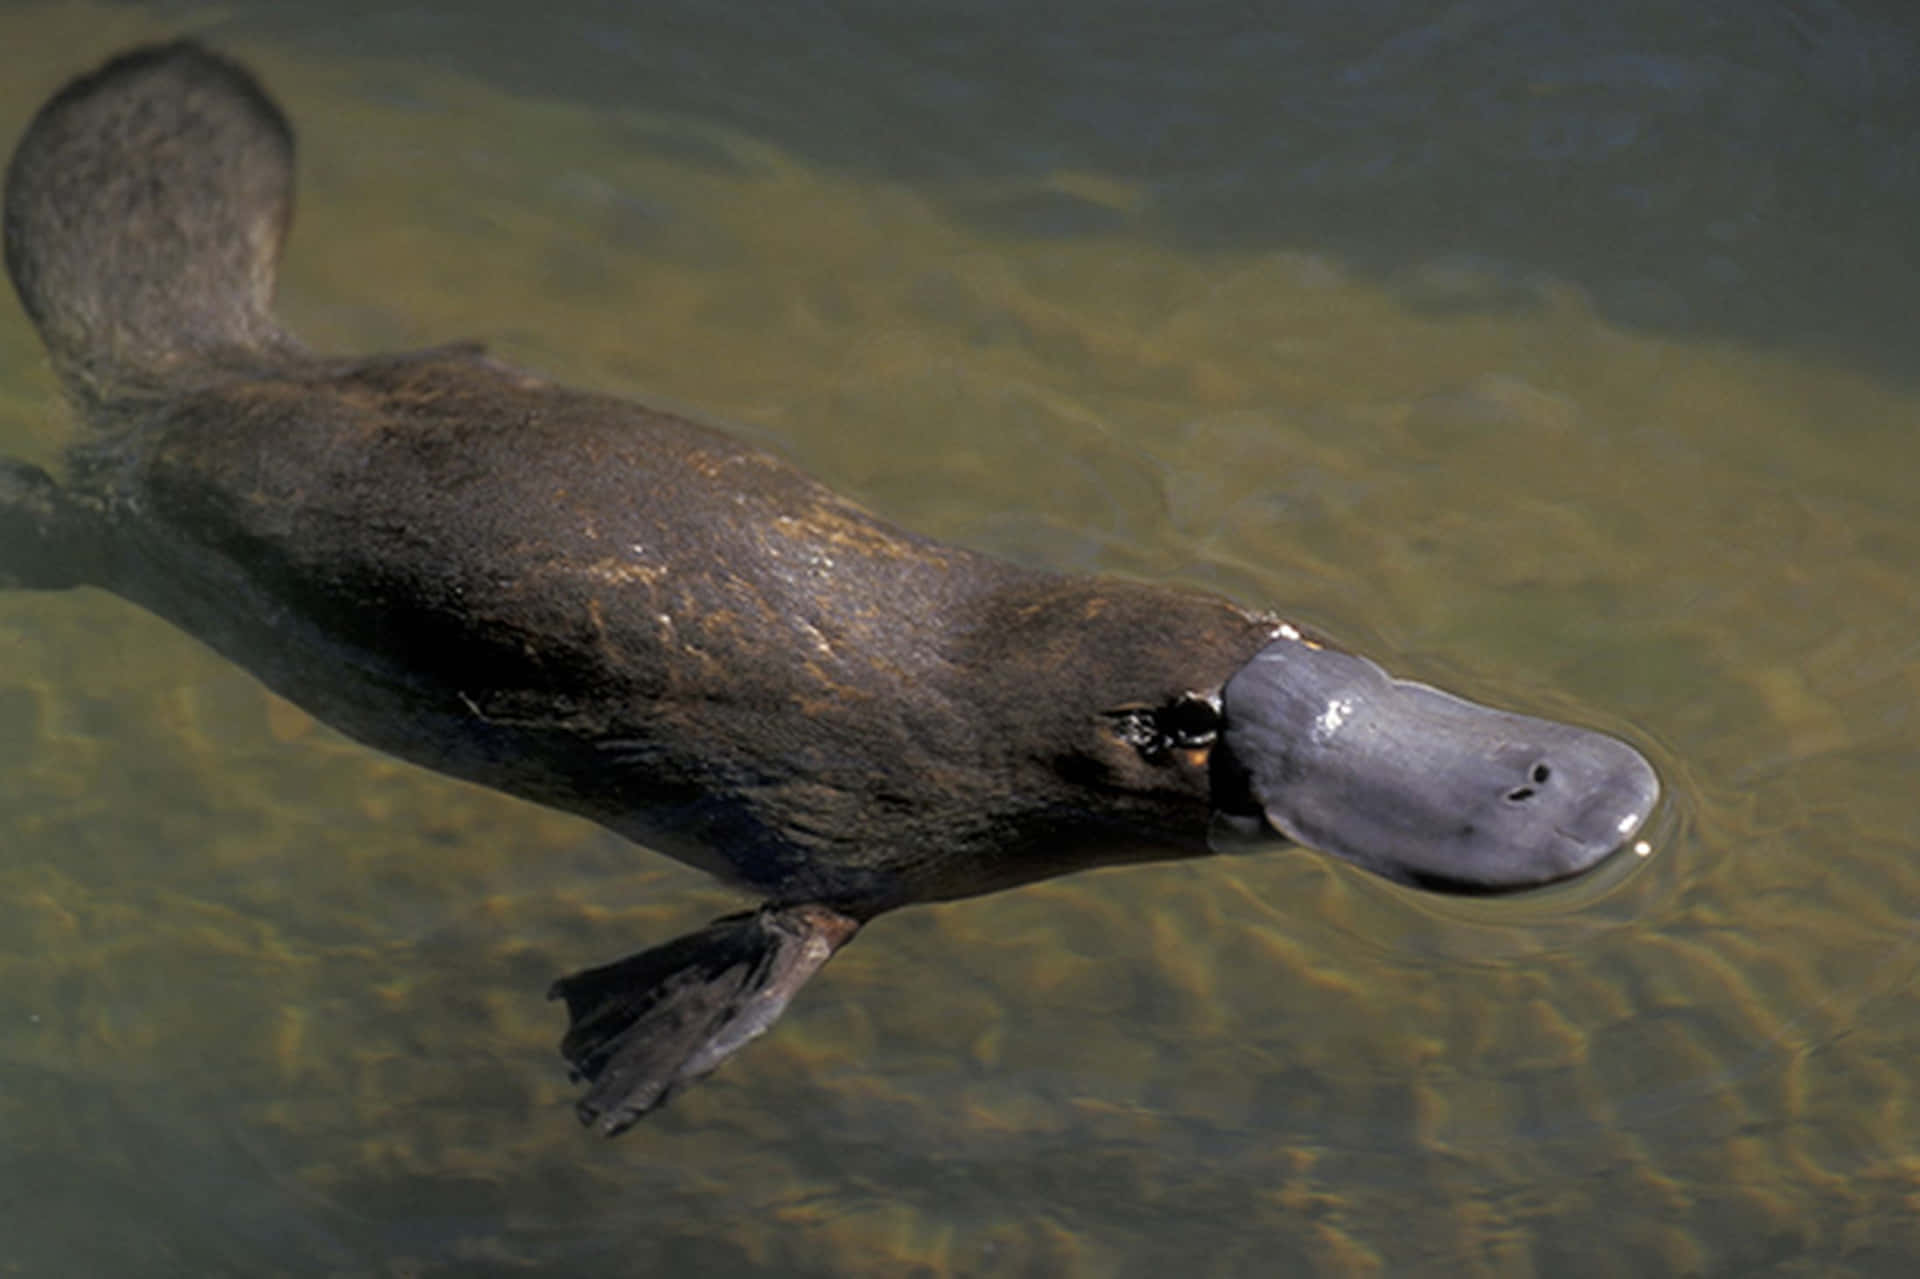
[624,614]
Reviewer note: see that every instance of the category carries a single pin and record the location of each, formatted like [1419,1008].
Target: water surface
[1559,355]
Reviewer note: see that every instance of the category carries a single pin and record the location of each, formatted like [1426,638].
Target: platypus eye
[1186,723]
[1189,722]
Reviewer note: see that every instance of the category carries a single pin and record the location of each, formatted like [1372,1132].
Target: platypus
[616,611]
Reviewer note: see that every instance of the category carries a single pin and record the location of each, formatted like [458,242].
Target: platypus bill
[617,612]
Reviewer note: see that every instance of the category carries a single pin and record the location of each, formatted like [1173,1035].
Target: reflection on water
[270,1004]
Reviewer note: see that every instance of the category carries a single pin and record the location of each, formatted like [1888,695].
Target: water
[1559,355]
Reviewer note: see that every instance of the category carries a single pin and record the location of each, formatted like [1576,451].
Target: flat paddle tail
[144,212]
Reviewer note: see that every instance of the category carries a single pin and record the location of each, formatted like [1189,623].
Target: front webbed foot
[645,1025]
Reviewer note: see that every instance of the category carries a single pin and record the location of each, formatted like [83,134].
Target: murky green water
[1565,361]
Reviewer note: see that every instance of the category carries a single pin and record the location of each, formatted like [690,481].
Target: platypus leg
[47,539]
[646,1024]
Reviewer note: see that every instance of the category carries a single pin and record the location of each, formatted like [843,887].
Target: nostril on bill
[1401,778]
[1538,776]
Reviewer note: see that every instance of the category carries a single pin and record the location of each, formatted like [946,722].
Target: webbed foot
[644,1025]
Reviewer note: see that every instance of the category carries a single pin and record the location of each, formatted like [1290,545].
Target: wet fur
[572,598]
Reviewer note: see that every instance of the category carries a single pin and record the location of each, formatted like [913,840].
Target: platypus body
[624,614]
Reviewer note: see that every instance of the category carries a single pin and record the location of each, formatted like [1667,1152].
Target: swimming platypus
[627,615]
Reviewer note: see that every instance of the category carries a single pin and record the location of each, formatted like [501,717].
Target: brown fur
[579,600]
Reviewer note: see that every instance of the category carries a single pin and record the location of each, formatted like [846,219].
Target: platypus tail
[145,209]
[144,214]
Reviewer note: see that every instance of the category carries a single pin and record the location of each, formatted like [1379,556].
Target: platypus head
[1328,750]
